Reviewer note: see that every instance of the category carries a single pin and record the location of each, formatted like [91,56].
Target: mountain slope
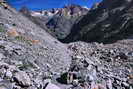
[109,22]
[22,41]
[58,21]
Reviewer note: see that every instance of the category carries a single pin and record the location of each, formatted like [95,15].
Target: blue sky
[48,4]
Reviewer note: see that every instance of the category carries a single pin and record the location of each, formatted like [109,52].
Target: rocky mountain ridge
[70,10]
[57,21]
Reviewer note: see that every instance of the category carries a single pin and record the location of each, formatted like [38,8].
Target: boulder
[52,86]
[6,85]
[22,79]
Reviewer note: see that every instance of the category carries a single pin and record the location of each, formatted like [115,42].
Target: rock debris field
[30,58]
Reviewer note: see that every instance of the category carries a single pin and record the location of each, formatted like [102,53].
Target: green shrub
[20,38]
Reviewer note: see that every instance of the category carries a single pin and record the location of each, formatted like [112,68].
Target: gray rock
[109,84]
[130,81]
[16,87]
[1,56]
[90,78]
[52,86]
[6,85]
[22,79]
[75,82]
[8,74]
[46,81]
[125,84]
[2,72]
[32,87]
[77,87]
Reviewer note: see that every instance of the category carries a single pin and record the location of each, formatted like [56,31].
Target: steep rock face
[60,26]
[57,22]
[109,22]
[22,40]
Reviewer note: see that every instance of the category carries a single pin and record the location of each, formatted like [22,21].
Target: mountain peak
[69,10]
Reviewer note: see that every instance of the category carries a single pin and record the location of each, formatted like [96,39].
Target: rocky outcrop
[109,22]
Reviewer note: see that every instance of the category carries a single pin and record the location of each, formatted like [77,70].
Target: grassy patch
[20,38]
[26,40]
[23,39]
[1,29]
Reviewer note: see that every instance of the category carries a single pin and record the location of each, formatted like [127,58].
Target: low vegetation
[1,29]
[26,40]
